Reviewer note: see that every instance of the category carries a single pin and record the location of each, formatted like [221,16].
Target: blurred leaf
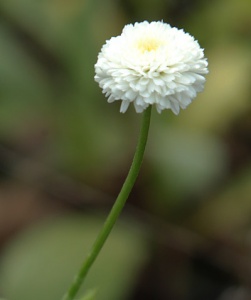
[226,94]
[24,86]
[41,262]
[229,211]
[231,20]
[146,10]
[91,295]
[186,163]
[67,31]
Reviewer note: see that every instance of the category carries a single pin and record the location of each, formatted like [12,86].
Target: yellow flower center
[149,44]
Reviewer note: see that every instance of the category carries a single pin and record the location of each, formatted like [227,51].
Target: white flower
[151,63]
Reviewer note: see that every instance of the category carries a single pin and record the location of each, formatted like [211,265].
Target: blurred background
[185,233]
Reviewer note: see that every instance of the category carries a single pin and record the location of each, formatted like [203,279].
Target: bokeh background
[185,233]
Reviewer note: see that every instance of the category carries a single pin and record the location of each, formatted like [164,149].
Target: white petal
[124,106]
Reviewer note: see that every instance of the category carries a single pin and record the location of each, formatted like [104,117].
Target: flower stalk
[116,209]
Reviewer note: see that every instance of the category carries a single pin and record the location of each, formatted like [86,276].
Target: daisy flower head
[151,64]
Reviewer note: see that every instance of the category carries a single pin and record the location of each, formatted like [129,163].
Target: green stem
[116,209]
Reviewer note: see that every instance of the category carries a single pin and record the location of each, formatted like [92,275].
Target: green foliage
[41,263]
[90,295]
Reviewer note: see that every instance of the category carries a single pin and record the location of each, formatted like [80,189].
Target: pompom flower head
[151,63]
